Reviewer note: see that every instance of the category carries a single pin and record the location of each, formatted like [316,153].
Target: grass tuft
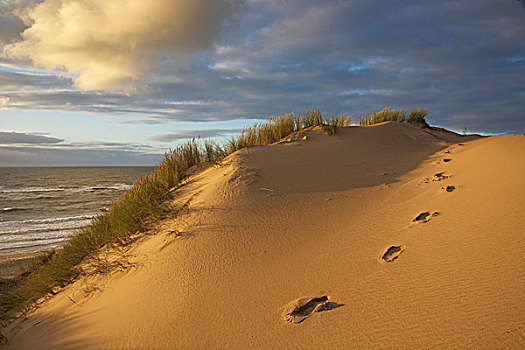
[416,116]
[147,201]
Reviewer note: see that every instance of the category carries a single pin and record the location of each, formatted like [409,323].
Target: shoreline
[11,263]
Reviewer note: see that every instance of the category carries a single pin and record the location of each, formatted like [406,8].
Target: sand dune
[388,236]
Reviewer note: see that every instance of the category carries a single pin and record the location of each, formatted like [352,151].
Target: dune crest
[276,234]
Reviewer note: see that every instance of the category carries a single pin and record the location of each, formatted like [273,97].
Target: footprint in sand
[437,177]
[440,176]
[424,216]
[392,253]
[299,310]
[449,188]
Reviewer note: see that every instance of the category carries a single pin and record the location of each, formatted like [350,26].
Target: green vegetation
[416,116]
[148,200]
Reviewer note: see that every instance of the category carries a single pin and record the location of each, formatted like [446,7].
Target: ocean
[41,207]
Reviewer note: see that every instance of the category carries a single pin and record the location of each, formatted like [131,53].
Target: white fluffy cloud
[106,44]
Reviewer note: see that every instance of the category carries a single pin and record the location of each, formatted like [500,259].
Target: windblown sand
[365,239]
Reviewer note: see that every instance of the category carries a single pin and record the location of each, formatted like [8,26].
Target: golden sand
[388,236]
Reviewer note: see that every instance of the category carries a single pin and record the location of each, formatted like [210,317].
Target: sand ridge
[312,244]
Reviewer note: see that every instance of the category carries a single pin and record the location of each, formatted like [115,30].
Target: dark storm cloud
[188,134]
[463,60]
[16,137]
[10,28]
[10,25]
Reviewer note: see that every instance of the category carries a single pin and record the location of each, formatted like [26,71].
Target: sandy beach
[387,236]
[12,263]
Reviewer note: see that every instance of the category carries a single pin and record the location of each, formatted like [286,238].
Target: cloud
[188,134]
[4,101]
[23,138]
[10,25]
[108,44]
[35,149]
[43,156]
[461,60]
[143,121]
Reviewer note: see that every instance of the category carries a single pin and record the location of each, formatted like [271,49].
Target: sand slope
[282,248]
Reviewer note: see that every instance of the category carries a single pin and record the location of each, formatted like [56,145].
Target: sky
[120,82]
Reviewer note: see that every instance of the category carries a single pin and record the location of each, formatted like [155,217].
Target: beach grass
[416,116]
[148,200]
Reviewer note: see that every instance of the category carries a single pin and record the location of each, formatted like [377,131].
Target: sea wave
[121,187]
[43,233]
[32,189]
[44,221]
[24,231]
[117,186]
[35,245]
[8,209]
